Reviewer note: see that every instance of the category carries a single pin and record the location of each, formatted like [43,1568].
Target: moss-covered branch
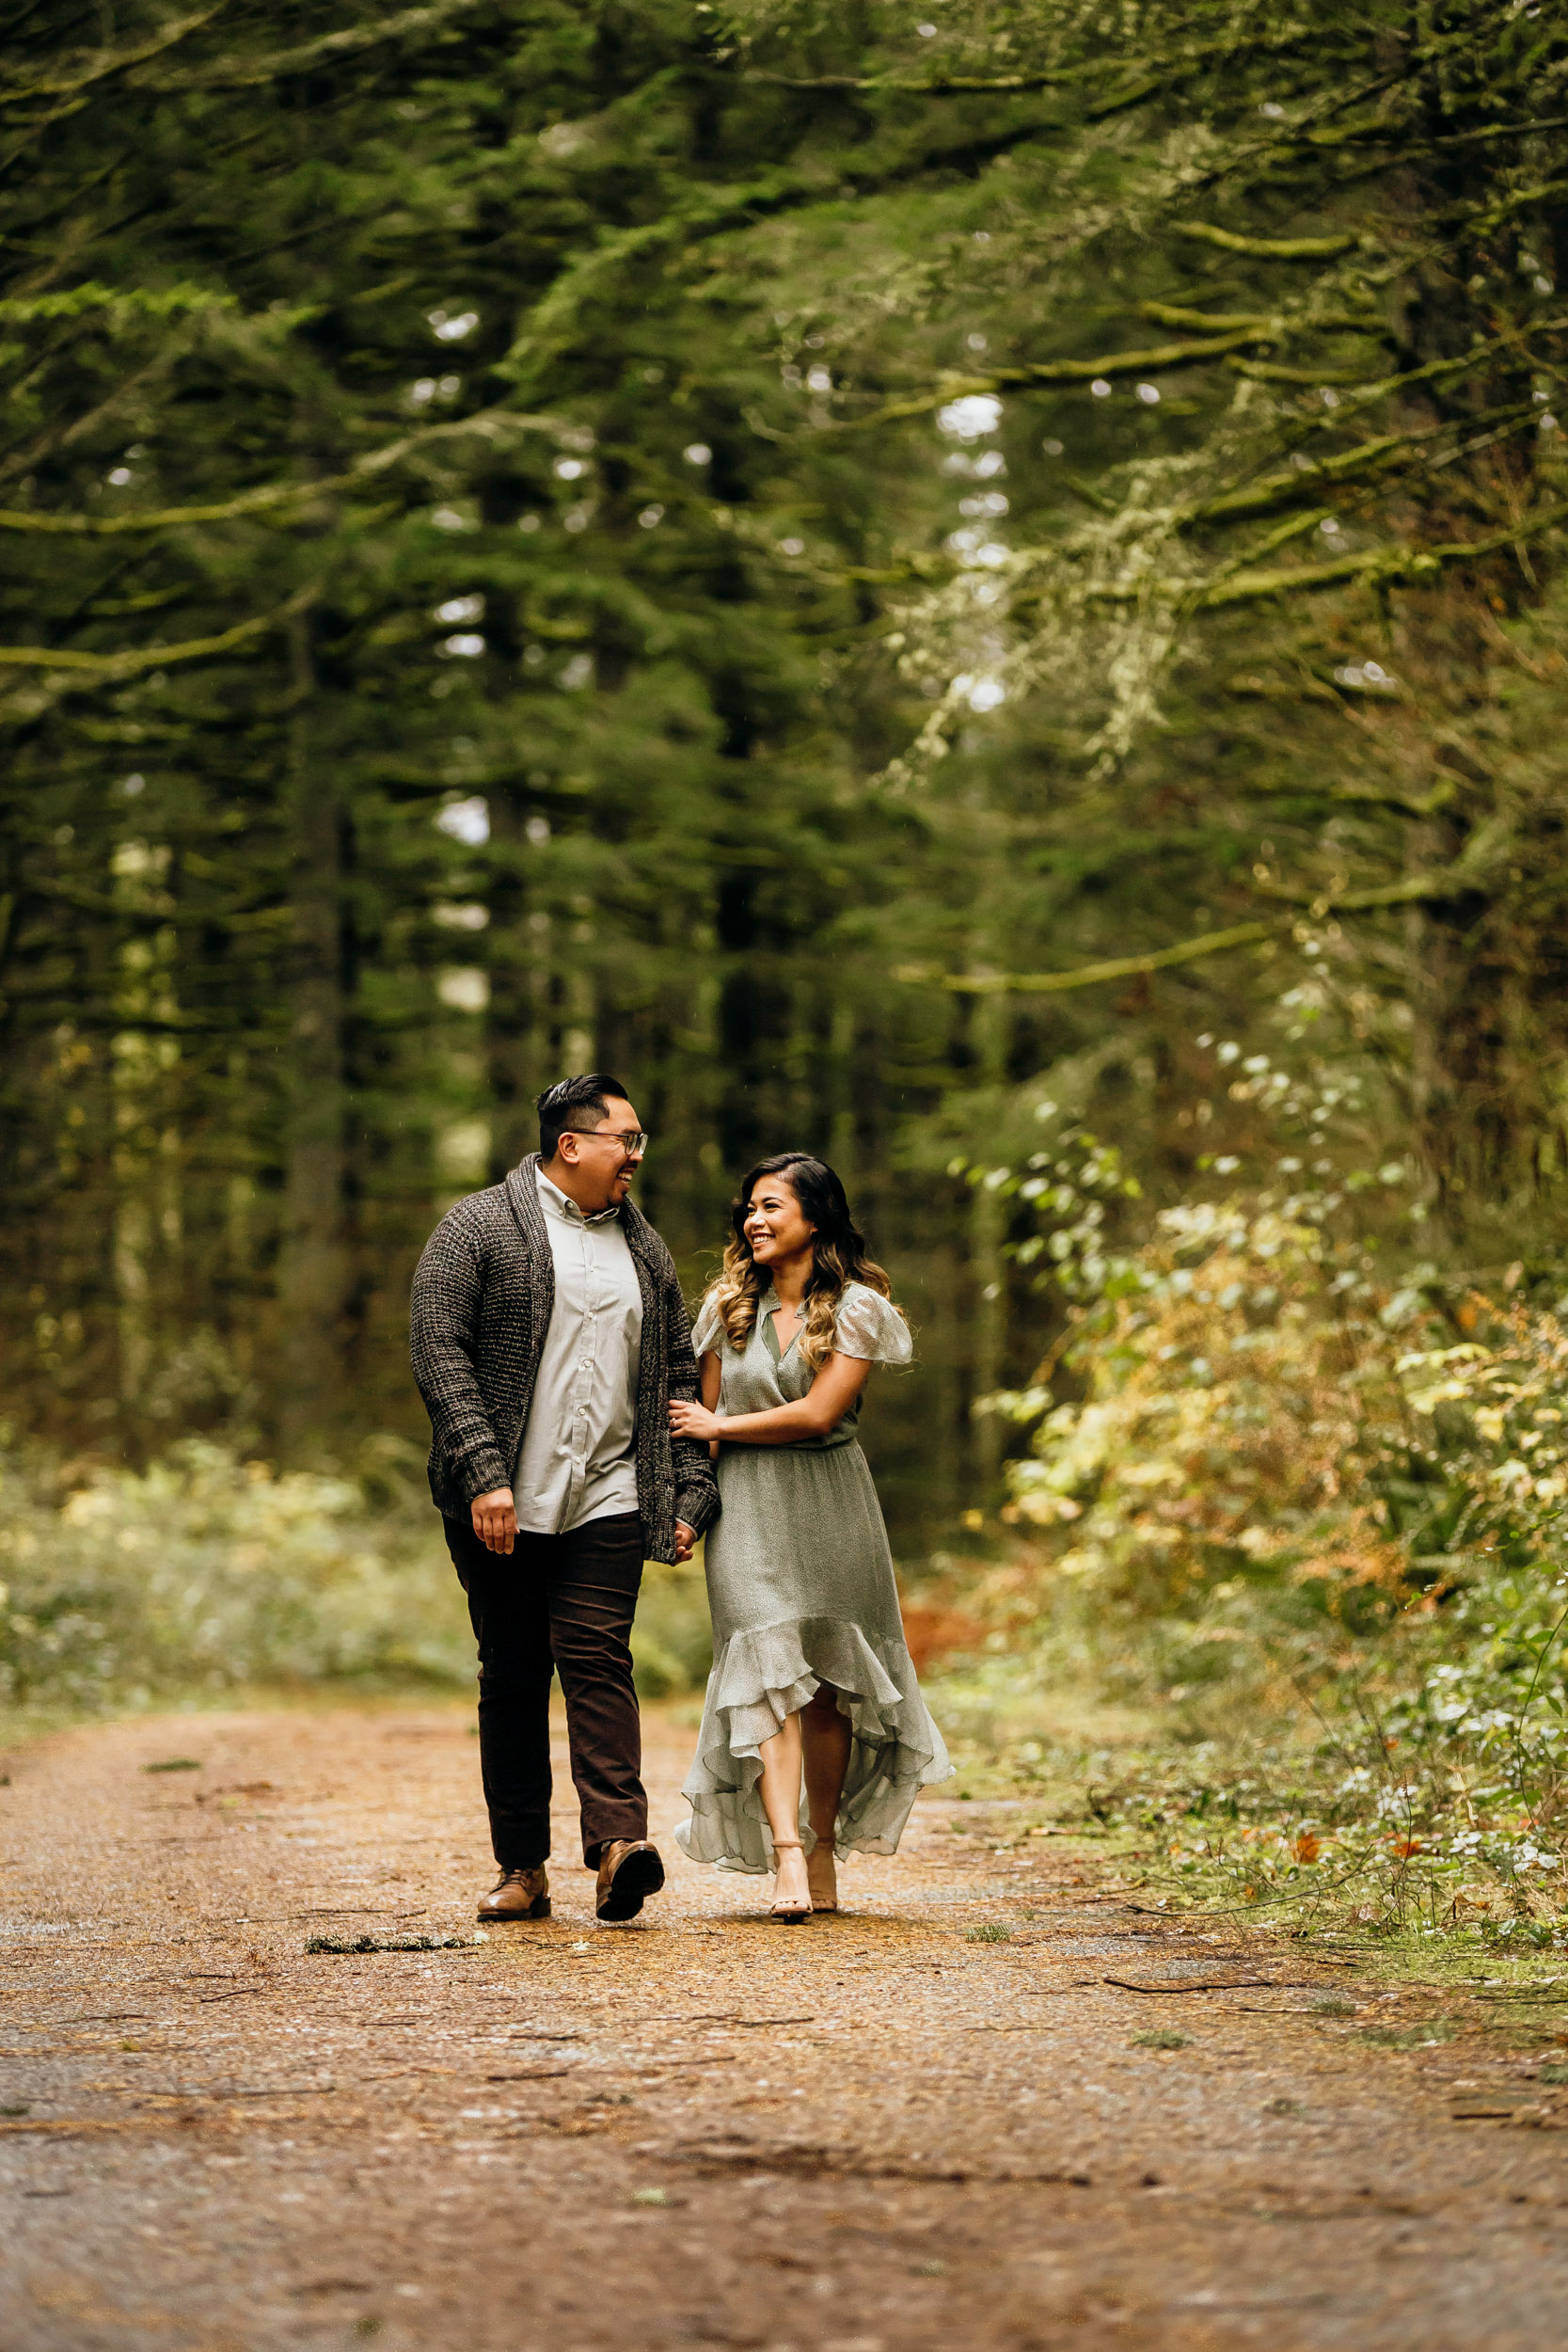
[111,666]
[1309,477]
[239,73]
[1381,567]
[1089,975]
[270,496]
[1164,359]
[1274,248]
[1385,567]
[1169,358]
[1414,889]
[105,66]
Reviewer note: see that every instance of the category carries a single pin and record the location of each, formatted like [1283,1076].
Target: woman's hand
[694,1420]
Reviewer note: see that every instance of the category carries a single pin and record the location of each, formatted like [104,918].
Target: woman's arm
[832,1393]
[711,1373]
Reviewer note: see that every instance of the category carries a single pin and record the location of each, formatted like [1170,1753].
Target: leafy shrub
[1319,1508]
[672,1638]
[206,1571]
[1236,1396]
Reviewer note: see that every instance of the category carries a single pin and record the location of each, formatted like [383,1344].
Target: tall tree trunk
[313,1275]
[512,1017]
[988,1267]
[147,1215]
[738,1022]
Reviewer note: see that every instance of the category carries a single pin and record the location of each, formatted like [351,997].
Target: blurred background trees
[759,546]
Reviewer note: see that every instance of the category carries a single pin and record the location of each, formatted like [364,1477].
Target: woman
[811,1676]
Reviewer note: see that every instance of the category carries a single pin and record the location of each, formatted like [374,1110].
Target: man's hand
[495,1518]
[685,1538]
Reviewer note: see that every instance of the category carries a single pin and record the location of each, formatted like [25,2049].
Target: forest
[979,593]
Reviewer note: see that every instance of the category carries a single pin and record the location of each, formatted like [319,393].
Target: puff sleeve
[871,1328]
[708,1332]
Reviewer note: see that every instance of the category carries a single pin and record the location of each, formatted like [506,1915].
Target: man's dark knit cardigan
[483,1295]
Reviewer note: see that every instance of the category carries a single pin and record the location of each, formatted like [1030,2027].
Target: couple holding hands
[581,1426]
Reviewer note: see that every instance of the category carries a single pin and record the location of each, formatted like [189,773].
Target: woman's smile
[775,1228]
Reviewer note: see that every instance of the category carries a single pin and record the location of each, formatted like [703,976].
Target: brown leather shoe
[518,1895]
[630,1871]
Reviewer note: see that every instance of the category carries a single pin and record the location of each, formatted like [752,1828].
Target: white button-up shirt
[574,1459]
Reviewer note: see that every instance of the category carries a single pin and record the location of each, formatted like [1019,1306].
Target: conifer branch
[107,64]
[715,212]
[1165,358]
[130,301]
[1147,73]
[1213,321]
[270,496]
[1274,248]
[111,666]
[1388,567]
[1415,889]
[251,73]
[1089,975]
[1308,478]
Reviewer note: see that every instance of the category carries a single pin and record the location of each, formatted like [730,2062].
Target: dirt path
[872,2134]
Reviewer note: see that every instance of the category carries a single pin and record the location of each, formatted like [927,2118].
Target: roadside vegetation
[1272,1617]
[978,593]
[1291,1497]
[206,1576]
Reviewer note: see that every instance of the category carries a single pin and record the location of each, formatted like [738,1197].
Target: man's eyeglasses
[632,1140]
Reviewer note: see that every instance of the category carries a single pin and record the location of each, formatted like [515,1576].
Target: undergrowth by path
[1211,1841]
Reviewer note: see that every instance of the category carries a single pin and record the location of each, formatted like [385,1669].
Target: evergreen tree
[835,563]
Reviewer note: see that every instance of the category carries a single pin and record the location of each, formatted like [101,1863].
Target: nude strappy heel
[789,1915]
[824,1897]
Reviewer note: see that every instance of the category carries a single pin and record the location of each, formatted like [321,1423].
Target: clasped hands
[495,1522]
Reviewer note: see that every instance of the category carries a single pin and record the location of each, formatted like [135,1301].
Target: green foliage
[586,534]
[673,1640]
[986,601]
[205,1573]
[210,1572]
[1318,1507]
[407,693]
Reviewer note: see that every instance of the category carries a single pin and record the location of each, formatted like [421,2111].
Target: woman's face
[774,1226]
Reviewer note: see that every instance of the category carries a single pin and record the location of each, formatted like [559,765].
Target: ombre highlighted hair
[838,1252]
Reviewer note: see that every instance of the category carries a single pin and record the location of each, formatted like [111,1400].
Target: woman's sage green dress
[801,1590]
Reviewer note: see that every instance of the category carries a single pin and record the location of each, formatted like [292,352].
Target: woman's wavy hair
[838,1252]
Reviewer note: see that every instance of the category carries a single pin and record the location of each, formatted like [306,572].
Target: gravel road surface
[875,2132]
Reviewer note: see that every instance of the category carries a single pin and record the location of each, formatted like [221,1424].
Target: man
[549,1336]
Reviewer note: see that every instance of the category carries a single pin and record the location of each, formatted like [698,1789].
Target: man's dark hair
[577,1104]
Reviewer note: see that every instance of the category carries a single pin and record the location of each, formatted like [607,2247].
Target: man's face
[602,1160]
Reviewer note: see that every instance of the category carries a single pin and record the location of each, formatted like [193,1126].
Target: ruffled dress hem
[768,1672]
